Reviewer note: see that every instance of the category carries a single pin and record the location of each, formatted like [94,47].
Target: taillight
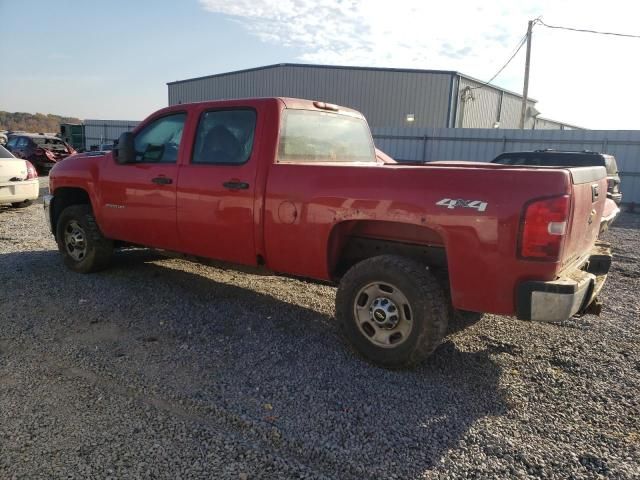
[31,171]
[543,228]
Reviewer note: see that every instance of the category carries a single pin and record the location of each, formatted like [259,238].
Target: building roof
[348,67]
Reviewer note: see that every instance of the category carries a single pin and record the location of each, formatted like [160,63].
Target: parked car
[19,184]
[555,158]
[296,187]
[44,151]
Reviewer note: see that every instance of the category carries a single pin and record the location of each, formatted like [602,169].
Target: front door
[138,202]
[216,188]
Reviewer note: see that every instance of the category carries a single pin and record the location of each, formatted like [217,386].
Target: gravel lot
[163,368]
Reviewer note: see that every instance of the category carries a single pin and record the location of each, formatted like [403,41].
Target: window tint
[310,136]
[225,137]
[159,141]
[13,141]
[22,142]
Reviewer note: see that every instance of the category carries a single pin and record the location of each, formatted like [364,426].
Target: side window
[13,142]
[159,141]
[22,142]
[224,137]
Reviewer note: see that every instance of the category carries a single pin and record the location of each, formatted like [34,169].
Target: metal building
[97,132]
[388,97]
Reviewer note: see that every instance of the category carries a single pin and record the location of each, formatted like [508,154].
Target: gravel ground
[163,368]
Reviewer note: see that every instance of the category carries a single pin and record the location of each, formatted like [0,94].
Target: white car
[19,184]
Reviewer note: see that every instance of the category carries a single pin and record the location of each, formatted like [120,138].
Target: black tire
[428,308]
[97,250]
[23,204]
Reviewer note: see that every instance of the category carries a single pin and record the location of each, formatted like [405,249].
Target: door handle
[235,185]
[162,180]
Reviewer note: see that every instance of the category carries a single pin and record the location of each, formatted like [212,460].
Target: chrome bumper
[569,295]
[48,199]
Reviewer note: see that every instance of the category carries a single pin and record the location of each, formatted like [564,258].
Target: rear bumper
[15,192]
[569,295]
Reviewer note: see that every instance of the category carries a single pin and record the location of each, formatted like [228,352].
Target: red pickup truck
[296,187]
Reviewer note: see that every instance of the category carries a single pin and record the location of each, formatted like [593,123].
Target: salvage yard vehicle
[43,150]
[558,158]
[19,184]
[296,187]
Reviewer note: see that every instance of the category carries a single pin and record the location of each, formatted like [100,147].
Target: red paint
[297,217]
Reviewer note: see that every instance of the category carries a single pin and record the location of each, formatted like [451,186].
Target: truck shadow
[264,360]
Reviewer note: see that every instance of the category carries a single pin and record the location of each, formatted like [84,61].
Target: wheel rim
[75,241]
[383,314]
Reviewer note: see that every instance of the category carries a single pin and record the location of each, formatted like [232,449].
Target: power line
[583,30]
[522,41]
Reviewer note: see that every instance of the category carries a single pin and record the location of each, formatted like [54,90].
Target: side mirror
[124,151]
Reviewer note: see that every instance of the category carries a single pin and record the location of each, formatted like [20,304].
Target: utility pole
[525,90]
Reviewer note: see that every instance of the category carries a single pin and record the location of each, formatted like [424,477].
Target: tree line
[34,122]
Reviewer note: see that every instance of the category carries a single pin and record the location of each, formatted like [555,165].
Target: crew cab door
[216,187]
[138,200]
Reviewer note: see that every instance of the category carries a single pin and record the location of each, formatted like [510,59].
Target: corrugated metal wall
[485,106]
[429,144]
[384,97]
[106,131]
[546,124]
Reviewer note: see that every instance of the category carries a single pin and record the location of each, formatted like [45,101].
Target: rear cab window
[309,136]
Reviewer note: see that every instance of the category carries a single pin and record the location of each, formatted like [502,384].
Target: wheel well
[65,197]
[353,241]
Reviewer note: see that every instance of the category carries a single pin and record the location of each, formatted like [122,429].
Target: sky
[112,60]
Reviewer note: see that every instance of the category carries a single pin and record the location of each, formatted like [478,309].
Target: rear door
[216,187]
[138,201]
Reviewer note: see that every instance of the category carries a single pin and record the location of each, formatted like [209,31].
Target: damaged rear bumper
[569,295]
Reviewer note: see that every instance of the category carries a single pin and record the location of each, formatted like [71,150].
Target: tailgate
[589,185]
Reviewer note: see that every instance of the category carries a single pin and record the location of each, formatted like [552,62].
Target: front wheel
[392,310]
[84,248]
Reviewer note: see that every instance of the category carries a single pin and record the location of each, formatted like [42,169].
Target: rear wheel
[81,242]
[392,310]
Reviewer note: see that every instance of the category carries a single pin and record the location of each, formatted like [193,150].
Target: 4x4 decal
[454,203]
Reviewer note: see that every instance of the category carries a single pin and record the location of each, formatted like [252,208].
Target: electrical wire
[583,30]
[522,41]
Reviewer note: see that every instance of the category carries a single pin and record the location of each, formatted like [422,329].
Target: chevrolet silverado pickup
[296,187]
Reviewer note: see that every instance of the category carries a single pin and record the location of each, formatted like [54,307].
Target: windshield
[311,137]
